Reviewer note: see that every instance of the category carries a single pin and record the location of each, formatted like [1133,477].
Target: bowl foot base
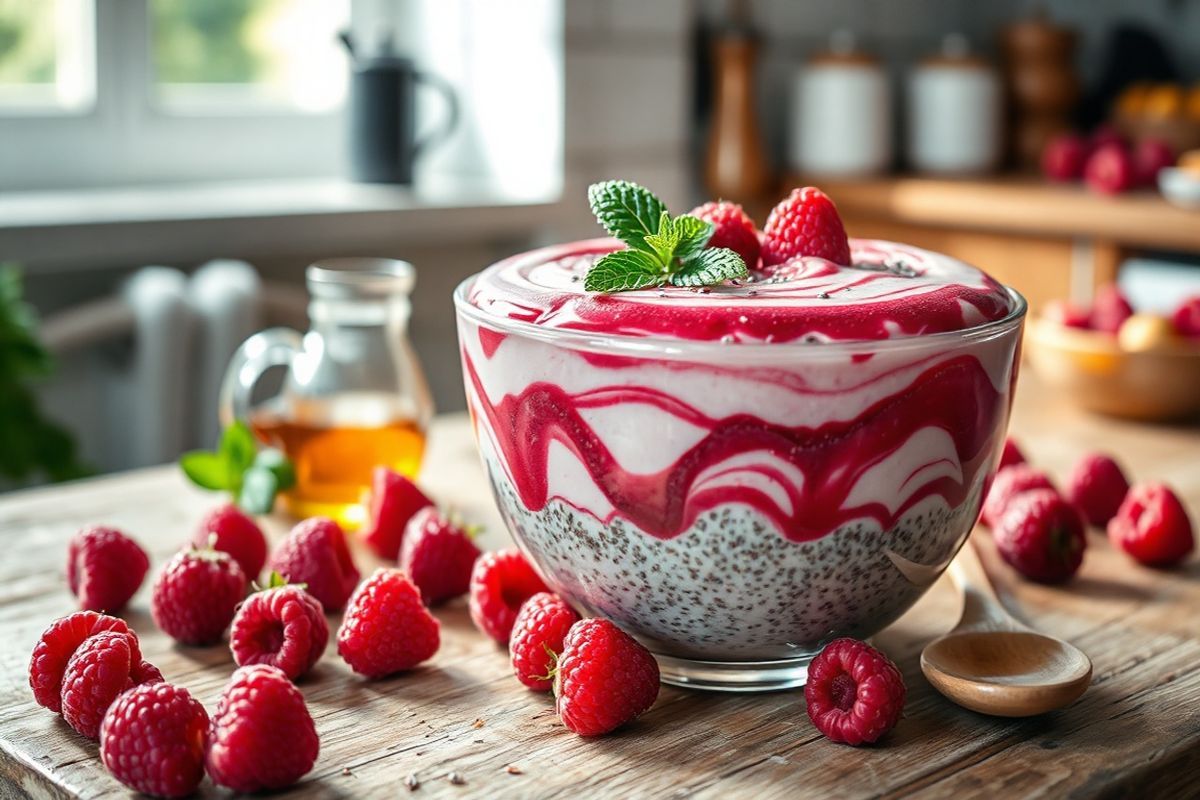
[734,676]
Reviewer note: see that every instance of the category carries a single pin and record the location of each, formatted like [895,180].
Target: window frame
[127,137]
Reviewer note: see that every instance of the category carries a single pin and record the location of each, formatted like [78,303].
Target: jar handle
[274,347]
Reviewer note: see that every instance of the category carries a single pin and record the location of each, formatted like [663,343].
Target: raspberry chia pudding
[739,473]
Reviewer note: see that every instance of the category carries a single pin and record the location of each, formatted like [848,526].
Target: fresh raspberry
[387,628]
[229,529]
[96,674]
[105,568]
[143,672]
[315,554]
[1010,482]
[1012,455]
[58,643]
[854,693]
[153,740]
[394,501]
[196,594]
[1110,309]
[805,223]
[437,556]
[500,582]
[1041,535]
[732,228]
[1152,526]
[1109,169]
[1068,314]
[261,736]
[283,626]
[537,639]
[1151,155]
[1186,317]
[1063,157]
[605,678]
[1096,486]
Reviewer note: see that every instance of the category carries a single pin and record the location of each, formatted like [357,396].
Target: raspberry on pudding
[738,473]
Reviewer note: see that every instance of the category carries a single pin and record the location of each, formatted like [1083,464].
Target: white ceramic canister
[841,114]
[955,107]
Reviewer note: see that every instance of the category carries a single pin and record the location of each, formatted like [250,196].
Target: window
[46,56]
[97,93]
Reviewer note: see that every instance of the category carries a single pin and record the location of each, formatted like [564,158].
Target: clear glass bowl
[736,506]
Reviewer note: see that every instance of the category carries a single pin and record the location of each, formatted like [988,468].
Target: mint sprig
[237,466]
[663,249]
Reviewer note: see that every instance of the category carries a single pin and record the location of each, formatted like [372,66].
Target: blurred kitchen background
[169,167]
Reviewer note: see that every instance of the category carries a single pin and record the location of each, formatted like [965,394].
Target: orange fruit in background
[1163,101]
[1143,333]
[1132,101]
[1193,103]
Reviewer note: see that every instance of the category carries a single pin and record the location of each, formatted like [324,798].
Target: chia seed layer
[731,588]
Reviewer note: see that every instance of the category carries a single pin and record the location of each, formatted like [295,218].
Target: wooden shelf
[1025,206]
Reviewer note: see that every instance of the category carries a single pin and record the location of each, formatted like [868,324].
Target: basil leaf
[206,470]
[238,447]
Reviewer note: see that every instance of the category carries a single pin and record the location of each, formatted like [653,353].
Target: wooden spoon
[993,664]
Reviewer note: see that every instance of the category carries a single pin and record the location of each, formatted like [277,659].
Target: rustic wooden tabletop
[1136,732]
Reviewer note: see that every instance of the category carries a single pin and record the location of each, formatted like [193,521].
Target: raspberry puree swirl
[717,469]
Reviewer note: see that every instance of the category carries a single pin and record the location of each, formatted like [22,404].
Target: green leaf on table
[258,490]
[238,447]
[278,464]
[627,211]
[206,469]
[713,265]
[623,270]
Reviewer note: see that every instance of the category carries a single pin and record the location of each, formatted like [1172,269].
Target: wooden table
[1136,732]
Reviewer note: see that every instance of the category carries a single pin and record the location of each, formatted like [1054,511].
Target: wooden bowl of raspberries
[1110,359]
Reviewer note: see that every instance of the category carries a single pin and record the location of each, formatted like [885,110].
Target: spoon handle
[981,607]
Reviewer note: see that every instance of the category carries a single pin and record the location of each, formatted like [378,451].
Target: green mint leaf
[277,462]
[627,211]
[257,495]
[693,234]
[624,270]
[206,470]
[665,241]
[711,266]
[238,447]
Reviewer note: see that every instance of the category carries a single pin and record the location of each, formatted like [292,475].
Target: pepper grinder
[735,166]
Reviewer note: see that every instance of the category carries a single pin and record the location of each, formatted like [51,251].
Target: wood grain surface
[1135,732]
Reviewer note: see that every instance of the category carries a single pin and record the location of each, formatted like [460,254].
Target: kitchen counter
[1135,732]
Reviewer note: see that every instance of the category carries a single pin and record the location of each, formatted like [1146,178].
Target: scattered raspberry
[387,628]
[394,501]
[1109,169]
[604,679]
[143,672]
[500,582]
[540,628]
[1096,486]
[1151,155]
[1011,455]
[732,228]
[96,674]
[1186,317]
[1063,157]
[1010,482]
[1152,526]
[1110,309]
[437,556]
[153,740]
[854,693]
[1068,314]
[1041,535]
[231,530]
[261,736]
[105,568]
[196,594]
[58,643]
[282,626]
[315,554]
[805,223]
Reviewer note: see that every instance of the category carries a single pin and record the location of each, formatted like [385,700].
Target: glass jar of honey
[354,396]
